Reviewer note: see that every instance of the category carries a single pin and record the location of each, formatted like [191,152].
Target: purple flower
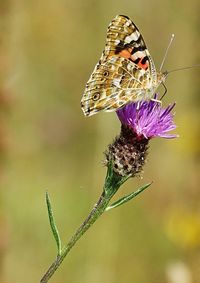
[148,119]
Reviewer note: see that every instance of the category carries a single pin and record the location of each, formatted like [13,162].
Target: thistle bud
[127,153]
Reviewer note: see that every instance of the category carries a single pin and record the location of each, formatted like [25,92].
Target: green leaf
[128,197]
[53,224]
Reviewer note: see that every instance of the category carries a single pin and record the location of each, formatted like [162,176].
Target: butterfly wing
[112,85]
[124,39]
[124,73]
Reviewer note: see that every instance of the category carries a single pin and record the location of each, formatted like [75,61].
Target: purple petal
[148,119]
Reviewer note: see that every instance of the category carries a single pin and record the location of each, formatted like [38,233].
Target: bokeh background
[48,49]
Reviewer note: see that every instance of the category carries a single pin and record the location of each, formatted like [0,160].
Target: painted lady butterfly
[125,73]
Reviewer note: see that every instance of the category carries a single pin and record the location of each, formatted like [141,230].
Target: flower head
[141,121]
[148,119]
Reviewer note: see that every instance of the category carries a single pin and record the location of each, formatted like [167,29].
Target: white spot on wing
[117,41]
[116,82]
[113,59]
[134,36]
[128,23]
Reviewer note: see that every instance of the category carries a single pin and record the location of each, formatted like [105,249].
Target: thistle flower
[140,122]
[148,119]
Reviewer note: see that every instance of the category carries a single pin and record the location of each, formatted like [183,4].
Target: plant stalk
[112,184]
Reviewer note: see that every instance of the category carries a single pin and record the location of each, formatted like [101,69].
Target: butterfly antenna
[184,68]
[166,52]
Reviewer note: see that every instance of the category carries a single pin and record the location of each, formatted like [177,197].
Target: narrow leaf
[53,224]
[128,197]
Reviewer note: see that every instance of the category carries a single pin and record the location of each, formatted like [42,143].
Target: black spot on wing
[143,61]
[120,46]
[137,60]
[139,48]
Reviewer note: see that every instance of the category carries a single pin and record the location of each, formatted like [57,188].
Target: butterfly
[125,72]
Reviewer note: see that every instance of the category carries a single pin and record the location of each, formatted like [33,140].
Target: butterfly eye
[105,73]
[96,96]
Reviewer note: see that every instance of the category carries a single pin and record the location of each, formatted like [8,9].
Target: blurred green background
[47,52]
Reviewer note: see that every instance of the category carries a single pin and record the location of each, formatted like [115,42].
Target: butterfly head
[161,77]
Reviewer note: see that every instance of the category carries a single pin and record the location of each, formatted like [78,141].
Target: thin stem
[98,209]
[112,184]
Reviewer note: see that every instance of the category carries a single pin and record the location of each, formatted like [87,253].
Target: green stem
[112,184]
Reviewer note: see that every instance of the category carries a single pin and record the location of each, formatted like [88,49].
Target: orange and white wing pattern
[125,73]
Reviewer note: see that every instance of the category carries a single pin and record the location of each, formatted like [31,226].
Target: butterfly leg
[165,88]
[160,100]
[156,100]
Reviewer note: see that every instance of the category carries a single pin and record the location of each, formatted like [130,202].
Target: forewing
[125,40]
